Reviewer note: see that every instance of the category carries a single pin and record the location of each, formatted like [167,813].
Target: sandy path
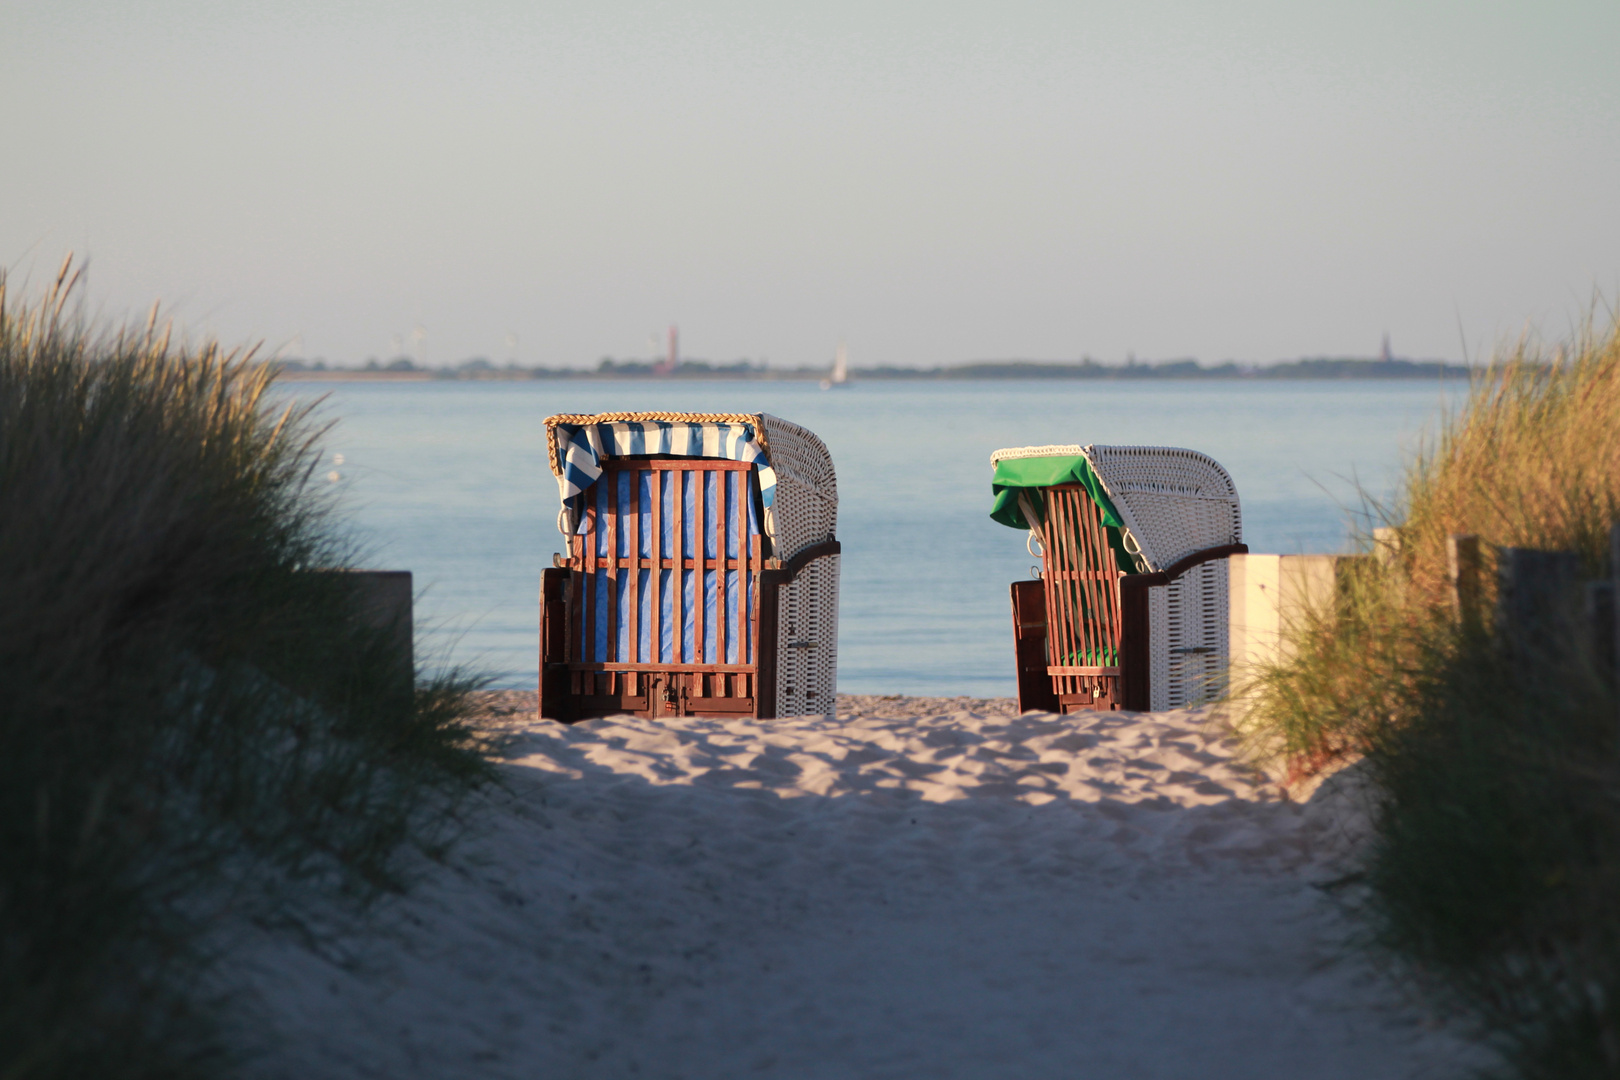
[917,888]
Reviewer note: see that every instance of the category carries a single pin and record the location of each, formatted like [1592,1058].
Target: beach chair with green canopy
[1130,609]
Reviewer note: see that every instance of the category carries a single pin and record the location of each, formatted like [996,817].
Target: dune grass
[192,717]
[1496,860]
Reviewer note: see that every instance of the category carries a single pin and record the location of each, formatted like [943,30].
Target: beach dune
[914,887]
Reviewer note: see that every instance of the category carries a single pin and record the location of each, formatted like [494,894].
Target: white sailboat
[840,371]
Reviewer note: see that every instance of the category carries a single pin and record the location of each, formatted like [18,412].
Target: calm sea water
[450,480]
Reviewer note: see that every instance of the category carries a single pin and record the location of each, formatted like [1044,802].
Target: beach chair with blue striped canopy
[701,576]
[1131,607]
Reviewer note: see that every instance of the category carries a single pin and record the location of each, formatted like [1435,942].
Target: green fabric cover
[1015,474]
[1039,472]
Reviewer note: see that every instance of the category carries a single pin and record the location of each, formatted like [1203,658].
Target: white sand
[919,888]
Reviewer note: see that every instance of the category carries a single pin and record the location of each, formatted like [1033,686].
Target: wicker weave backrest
[805,513]
[1173,501]
[806,506]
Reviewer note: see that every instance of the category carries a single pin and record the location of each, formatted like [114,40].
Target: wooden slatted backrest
[665,564]
[1081,581]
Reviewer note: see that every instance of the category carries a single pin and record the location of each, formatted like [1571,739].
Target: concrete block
[386,599]
[1268,594]
[386,604]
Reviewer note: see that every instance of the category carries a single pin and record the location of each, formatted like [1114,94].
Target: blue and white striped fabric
[583,448]
[725,595]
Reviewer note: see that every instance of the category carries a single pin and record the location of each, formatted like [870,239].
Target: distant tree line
[1311,368]
[610,368]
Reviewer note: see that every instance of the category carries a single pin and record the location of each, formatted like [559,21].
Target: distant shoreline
[1316,370]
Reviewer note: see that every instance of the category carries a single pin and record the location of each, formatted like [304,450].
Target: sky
[554,182]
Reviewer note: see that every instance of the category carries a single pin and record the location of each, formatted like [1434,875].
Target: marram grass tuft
[191,710]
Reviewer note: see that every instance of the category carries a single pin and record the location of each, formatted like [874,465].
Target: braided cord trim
[1016,452]
[583,419]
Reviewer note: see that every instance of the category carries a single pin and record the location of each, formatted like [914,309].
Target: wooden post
[1463,559]
[1387,544]
[1614,603]
[1536,598]
[1600,627]
[1602,612]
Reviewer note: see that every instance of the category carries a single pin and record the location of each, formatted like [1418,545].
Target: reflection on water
[449,480]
